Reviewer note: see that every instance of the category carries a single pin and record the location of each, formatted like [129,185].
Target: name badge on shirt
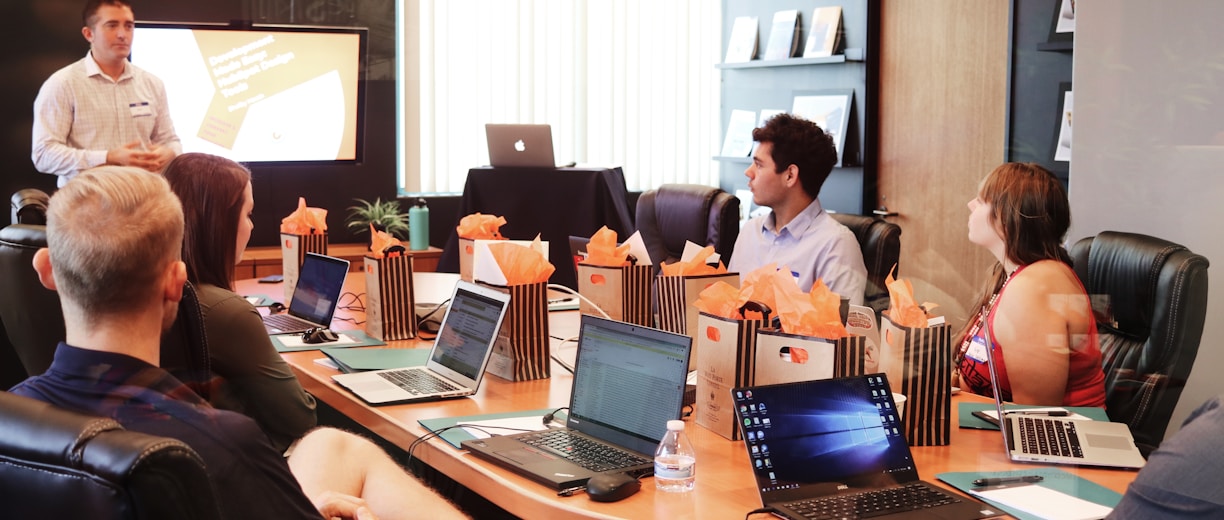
[977,350]
[141,109]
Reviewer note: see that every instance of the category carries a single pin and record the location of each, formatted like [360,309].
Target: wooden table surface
[725,485]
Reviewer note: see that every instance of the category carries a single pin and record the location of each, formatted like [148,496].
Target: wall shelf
[789,62]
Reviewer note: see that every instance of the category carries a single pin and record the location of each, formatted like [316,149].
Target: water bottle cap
[675,425]
[420,203]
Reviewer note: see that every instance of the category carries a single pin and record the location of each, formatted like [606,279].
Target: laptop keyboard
[286,322]
[1049,437]
[867,504]
[584,452]
[418,381]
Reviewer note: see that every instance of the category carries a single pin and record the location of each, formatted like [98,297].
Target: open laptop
[520,146]
[457,360]
[628,382]
[319,283]
[829,444]
[1055,440]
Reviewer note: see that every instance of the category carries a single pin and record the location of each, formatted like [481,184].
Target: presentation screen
[261,93]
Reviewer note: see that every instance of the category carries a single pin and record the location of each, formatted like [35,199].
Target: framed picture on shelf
[1062,28]
[1062,146]
[830,109]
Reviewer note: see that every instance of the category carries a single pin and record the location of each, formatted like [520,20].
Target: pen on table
[1028,479]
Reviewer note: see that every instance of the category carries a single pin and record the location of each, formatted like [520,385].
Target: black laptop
[628,382]
[315,297]
[835,448]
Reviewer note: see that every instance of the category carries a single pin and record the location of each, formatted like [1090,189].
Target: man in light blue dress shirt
[789,166]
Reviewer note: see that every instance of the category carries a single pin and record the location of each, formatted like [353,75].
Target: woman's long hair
[211,189]
[1030,205]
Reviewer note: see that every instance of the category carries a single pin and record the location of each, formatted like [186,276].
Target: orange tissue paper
[603,251]
[694,267]
[520,264]
[381,241]
[305,220]
[902,309]
[720,299]
[815,313]
[481,227]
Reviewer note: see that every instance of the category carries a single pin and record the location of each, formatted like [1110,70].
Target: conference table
[725,485]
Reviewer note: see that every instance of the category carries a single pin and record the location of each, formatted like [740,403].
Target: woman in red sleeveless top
[1039,315]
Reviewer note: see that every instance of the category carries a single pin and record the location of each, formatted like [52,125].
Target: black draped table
[553,202]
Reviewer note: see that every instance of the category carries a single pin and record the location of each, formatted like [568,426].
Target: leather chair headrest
[30,206]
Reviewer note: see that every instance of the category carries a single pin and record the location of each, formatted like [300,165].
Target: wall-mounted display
[1062,147]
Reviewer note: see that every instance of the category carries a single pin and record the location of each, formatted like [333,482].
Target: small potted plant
[385,216]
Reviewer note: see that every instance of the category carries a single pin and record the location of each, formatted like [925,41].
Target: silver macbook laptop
[320,282]
[834,448]
[457,360]
[628,382]
[520,146]
[1054,440]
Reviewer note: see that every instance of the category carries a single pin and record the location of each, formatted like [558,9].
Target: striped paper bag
[293,253]
[676,295]
[918,362]
[390,306]
[728,359]
[622,292]
[523,351]
[788,358]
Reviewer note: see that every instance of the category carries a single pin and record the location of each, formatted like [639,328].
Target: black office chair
[1150,326]
[60,464]
[29,206]
[33,322]
[675,213]
[881,244]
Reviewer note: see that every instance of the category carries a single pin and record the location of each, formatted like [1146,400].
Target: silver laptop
[457,360]
[834,448]
[319,284]
[628,382]
[1053,440]
[520,146]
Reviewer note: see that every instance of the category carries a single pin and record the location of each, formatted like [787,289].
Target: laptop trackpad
[525,456]
[1112,442]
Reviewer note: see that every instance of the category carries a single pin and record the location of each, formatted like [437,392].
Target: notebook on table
[520,146]
[628,382]
[457,360]
[319,283]
[1055,440]
[835,448]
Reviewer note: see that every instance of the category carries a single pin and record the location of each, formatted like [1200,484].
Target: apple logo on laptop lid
[519,146]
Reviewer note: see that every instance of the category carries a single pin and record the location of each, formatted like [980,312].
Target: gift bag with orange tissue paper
[616,278]
[726,337]
[390,305]
[303,231]
[811,341]
[522,351]
[680,283]
[470,229]
[916,355]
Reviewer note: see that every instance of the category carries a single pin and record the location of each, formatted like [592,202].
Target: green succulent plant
[385,216]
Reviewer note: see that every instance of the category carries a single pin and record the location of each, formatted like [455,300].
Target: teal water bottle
[418,226]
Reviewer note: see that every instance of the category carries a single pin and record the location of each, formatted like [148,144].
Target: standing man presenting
[102,109]
[791,162]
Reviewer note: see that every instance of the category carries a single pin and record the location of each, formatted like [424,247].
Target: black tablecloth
[553,202]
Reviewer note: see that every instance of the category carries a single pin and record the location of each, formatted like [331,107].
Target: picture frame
[1062,26]
[1062,127]
[830,109]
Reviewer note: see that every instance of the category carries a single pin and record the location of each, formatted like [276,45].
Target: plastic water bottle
[418,226]
[675,462]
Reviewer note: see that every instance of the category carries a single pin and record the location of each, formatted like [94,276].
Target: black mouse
[610,487]
[319,335]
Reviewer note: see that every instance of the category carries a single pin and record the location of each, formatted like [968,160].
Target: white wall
[1148,151]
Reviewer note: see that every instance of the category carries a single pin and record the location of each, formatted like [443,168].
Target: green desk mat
[1054,478]
[455,436]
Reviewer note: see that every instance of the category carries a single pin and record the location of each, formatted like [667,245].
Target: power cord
[356,305]
[548,417]
[427,326]
[760,510]
[568,367]
[567,290]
